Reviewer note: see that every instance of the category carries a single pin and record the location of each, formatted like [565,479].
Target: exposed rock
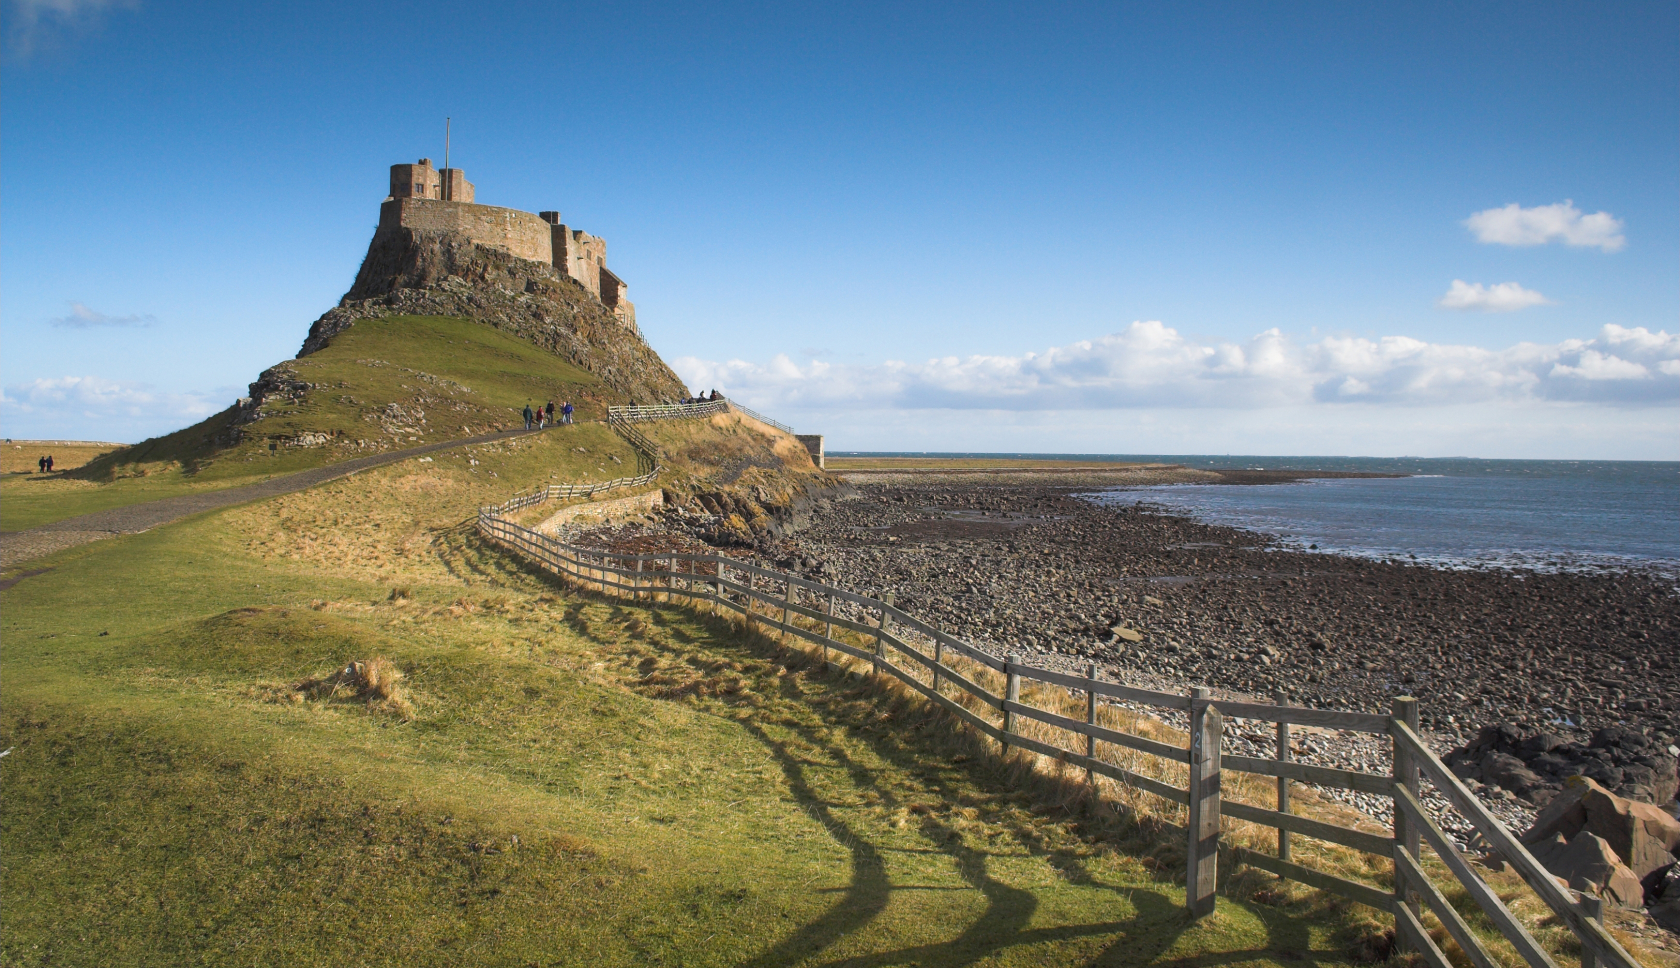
[1536,762]
[1641,833]
[408,272]
[1587,863]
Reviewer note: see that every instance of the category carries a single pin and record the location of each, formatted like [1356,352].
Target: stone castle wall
[520,233]
[425,199]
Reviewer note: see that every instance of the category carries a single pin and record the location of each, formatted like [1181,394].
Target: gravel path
[20,546]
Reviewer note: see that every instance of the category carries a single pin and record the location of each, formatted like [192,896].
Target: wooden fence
[916,653]
[667,411]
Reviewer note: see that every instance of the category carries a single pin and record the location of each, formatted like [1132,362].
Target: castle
[426,199]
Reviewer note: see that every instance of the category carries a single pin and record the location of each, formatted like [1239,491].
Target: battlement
[427,199]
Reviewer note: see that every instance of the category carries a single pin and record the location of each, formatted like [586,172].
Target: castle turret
[423,181]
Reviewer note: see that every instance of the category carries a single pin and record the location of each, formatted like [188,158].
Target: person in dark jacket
[529,416]
[566,413]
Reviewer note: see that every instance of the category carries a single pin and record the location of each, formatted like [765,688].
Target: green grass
[465,377]
[682,792]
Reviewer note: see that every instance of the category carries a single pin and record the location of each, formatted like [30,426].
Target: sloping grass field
[566,779]
[383,384]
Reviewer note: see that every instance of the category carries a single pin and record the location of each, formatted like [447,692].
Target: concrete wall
[814,444]
[521,233]
[615,509]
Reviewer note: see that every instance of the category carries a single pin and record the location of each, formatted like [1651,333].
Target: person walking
[550,409]
[42,464]
[529,416]
[566,412]
[49,463]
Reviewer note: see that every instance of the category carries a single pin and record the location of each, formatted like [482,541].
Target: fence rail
[897,644]
[761,418]
[667,411]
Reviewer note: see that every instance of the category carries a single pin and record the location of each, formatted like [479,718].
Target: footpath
[20,546]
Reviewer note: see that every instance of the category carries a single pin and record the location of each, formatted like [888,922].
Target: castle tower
[423,181]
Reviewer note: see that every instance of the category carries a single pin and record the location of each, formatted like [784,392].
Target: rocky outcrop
[409,272]
[1534,764]
[1599,842]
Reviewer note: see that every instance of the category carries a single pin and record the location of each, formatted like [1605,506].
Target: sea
[1451,512]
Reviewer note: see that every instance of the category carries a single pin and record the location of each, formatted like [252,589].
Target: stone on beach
[1641,835]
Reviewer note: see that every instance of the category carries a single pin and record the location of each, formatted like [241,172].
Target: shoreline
[1040,570]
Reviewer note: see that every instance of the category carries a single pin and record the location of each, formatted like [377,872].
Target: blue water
[1454,512]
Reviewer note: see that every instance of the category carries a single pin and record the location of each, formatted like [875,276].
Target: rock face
[410,272]
[1614,843]
[1533,763]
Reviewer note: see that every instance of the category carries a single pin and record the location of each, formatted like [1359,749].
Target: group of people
[543,416]
[45,464]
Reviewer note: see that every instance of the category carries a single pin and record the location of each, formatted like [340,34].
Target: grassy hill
[384,384]
[562,779]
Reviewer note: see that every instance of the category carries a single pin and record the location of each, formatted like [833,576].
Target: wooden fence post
[882,630]
[938,657]
[636,583]
[828,627]
[1406,835]
[1202,865]
[1593,907]
[1091,720]
[1011,693]
[787,609]
[1283,781]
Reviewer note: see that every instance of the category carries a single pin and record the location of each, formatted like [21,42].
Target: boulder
[1510,773]
[1587,863]
[1641,833]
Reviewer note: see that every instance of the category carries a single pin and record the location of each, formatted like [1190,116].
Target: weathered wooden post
[1406,835]
[1201,879]
[787,609]
[1091,720]
[1282,781]
[636,582]
[938,659]
[883,629]
[1011,694]
[1593,907]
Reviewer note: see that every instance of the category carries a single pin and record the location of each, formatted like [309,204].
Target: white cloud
[1515,225]
[1502,297]
[94,408]
[33,22]
[82,317]
[1150,365]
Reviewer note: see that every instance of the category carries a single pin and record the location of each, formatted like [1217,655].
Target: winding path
[20,546]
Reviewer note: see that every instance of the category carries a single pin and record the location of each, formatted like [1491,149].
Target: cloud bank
[94,408]
[82,317]
[1501,297]
[1560,222]
[1151,365]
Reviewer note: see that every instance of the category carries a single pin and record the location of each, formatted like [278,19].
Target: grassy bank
[565,779]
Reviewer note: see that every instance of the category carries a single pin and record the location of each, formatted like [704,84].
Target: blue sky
[954,227]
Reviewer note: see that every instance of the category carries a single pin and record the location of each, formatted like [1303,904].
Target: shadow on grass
[1154,927]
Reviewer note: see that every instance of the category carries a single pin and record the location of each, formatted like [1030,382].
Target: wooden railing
[667,411]
[918,654]
[761,418]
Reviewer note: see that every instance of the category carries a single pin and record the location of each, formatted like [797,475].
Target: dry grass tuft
[376,682]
